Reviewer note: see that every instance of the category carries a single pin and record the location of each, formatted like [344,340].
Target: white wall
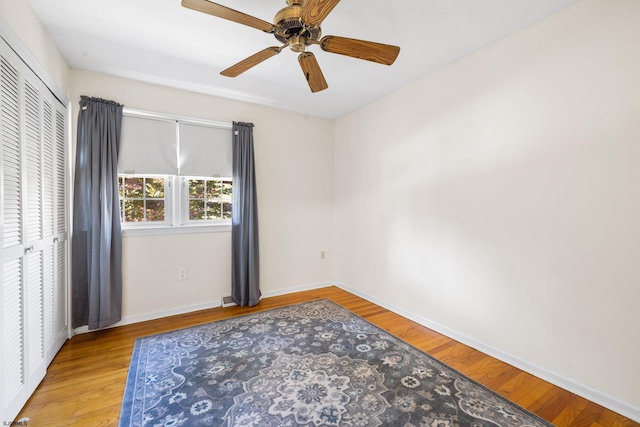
[25,25]
[499,198]
[294,167]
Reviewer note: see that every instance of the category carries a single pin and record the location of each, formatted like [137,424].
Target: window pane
[213,210]
[226,189]
[155,188]
[155,210]
[133,210]
[142,199]
[213,189]
[226,210]
[196,189]
[196,209]
[134,188]
[210,199]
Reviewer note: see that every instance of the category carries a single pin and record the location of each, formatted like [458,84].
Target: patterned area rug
[312,364]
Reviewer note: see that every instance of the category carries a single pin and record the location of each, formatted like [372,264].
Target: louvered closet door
[60,234]
[14,375]
[48,186]
[33,280]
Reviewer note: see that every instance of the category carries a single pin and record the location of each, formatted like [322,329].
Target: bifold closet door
[60,234]
[13,296]
[33,234]
[54,232]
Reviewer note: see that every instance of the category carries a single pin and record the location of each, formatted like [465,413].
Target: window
[174,172]
[142,199]
[208,199]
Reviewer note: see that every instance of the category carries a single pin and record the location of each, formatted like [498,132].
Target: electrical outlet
[321,254]
[182,273]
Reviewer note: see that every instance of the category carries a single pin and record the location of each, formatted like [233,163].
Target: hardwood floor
[85,382]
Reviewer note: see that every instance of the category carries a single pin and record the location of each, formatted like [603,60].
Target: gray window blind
[152,146]
[205,151]
[148,146]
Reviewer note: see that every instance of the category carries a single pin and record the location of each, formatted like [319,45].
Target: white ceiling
[161,42]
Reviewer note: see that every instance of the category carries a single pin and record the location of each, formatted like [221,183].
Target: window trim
[180,229]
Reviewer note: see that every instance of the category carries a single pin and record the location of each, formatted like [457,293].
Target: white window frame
[176,193]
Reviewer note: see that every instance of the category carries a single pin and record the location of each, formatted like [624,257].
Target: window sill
[185,229]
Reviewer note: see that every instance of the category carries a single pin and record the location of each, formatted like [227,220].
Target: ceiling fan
[298,26]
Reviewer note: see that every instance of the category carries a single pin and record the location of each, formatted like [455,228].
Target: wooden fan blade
[312,72]
[224,12]
[252,61]
[369,51]
[314,11]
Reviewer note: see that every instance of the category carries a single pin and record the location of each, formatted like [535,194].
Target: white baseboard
[596,396]
[295,289]
[128,320]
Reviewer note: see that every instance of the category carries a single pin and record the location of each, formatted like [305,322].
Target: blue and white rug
[311,364]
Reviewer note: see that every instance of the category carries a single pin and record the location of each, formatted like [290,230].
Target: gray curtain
[96,251]
[245,263]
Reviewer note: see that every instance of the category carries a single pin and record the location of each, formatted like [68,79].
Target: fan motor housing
[289,23]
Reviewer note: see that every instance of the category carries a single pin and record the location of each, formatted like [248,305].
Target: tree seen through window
[209,199]
[142,199]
